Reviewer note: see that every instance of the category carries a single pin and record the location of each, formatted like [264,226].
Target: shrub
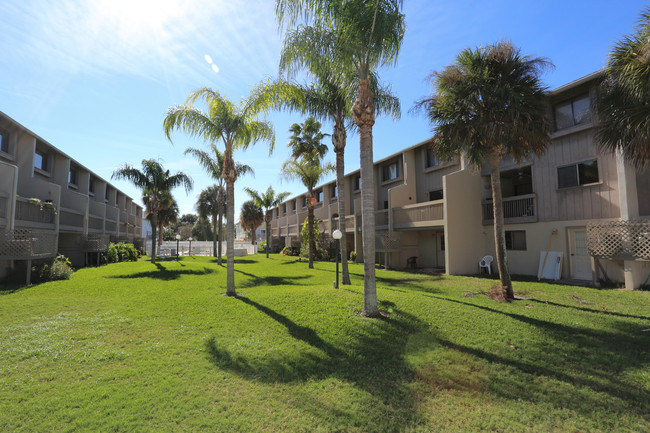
[304,234]
[261,248]
[353,255]
[59,268]
[121,252]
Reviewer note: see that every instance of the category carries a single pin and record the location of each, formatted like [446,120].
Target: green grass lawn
[142,347]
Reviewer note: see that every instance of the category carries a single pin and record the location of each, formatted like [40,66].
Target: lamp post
[178,238]
[190,239]
[336,234]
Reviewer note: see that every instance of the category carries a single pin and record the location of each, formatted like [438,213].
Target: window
[72,176]
[319,196]
[390,172]
[40,160]
[573,112]
[304,201]
[357,183]
[334,192]
[4,140]
[91,186]
[516,240]
[284,209]
[582,173]
[435,195]
[106,193]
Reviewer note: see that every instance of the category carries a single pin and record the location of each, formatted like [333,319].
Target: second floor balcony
[517,209]
[34,213]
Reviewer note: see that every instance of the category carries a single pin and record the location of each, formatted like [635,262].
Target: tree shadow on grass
[575,356]
[165,274]
[371,361]
[255,280]
[589,310]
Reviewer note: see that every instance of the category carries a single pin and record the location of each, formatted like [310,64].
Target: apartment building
[590,208]
[51,203]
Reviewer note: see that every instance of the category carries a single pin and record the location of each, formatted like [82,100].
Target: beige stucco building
[50,203]
[589,206]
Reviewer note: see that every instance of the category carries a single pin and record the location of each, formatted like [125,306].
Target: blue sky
[95,77]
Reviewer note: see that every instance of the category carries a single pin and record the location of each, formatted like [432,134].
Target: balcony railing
[95,223]
[518,209]
[381,218]
[33,212]
[71,218]
[27,244]
[619,239]
[425,214]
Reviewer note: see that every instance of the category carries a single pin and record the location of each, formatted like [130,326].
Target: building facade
[589,208]
[50,203]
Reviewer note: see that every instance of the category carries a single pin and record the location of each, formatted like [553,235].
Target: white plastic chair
[486,262]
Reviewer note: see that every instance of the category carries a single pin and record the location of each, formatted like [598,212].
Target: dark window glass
[357,183]
[4,141]
[334,191]
[574,112]
[385,204]
[432,158]
[516,240]
[72,176]
[40,160]
[284,208]
[91,186]
[435,195]
[319,196]
[390,172]
[582,173]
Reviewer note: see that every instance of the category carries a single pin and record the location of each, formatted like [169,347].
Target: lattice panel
[23,244]
[388,241]
[95,242]
[619,239]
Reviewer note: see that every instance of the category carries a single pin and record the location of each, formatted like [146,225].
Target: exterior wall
[643,192]
[429,179]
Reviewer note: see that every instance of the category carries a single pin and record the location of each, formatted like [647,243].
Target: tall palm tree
[328,98]
[364,35]
[268,201]
[167,215]
[155,182]
[491,103]
[211,204]
[251,217]
[623,109]
[237,127]
[309,171]
[213,162]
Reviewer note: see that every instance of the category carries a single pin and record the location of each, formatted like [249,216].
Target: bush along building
[50,203]
[590,210]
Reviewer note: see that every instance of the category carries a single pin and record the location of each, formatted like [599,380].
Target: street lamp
[190,239]
[178,238]
[337,235]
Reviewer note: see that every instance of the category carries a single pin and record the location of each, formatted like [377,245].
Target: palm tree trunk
[310,223]
[364,116]
[499,237]
[268,232]
[253,236]
[230,238]
[160,234]
[220,237]
[340,188]
[215,220]
[154,227]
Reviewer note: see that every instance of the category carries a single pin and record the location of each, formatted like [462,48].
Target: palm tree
[305,140]
[268,201]
[251,217]
[622,103]
[167,215]
[155,182]
[309,171]
[329,98]
[491,103]
[364,35]
[211,204]
[213,165]
[237,127]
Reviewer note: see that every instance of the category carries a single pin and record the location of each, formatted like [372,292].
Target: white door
[580,260]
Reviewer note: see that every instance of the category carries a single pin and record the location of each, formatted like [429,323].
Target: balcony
[516,210]
[95,243]
[33,213]
[427,214]
[71,220]
[27,244]
[381,219]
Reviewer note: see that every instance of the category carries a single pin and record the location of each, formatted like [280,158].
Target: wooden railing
[34,212]
[419,214]
[518,209]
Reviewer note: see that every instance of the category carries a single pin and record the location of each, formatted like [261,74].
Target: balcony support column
[627,191]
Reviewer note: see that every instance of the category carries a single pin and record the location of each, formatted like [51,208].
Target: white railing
[199,248]
[521,208]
